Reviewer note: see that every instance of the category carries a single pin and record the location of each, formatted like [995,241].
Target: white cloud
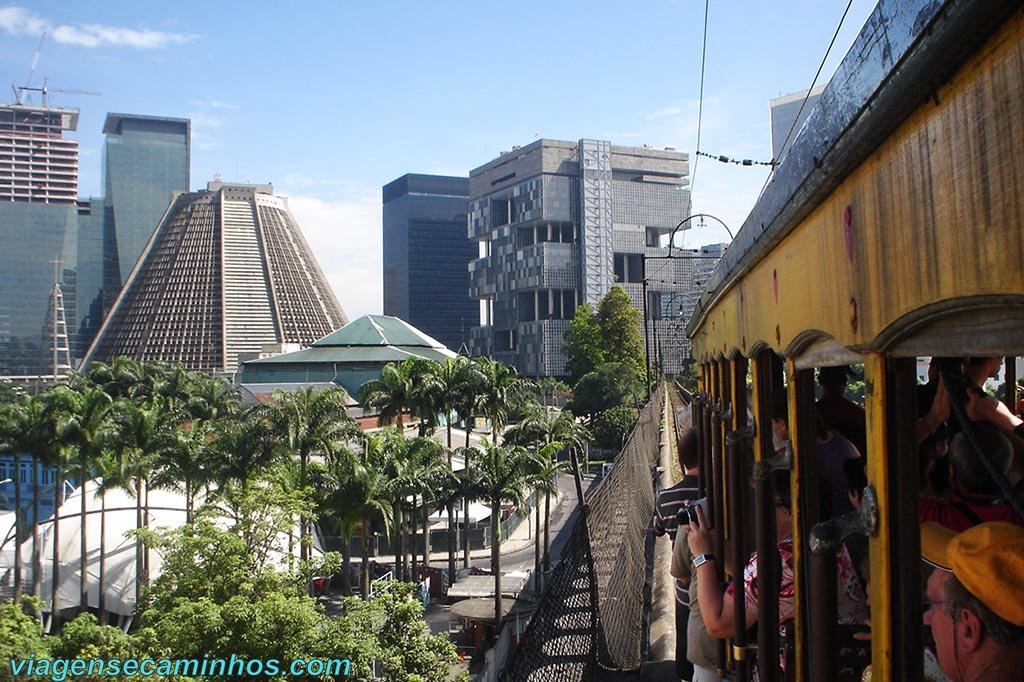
[213,104]
[662,113]
[346,237]
[21,21]
[203,126]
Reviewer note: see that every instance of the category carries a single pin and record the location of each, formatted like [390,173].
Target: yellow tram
[892,231]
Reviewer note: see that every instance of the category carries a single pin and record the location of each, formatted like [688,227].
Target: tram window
[836,408]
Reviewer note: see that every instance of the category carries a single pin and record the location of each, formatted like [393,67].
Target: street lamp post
[671,256]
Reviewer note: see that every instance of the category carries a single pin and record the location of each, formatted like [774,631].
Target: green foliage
[222,589]
[226,604]
[21,635]
[84,638]
[583,348]
[613,425]
[621,341]
[409,653]
[611,385]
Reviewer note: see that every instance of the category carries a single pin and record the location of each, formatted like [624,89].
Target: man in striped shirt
[670,502]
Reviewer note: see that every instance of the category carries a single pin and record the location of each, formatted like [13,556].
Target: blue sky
[331,100]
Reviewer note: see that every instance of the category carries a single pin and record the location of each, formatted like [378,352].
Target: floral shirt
[852,602]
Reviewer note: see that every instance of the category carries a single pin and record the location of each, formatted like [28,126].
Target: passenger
[670,502]
[831,451]
[981,407]
[839,412]
[975,496]
[933,463]
[975,600]
[856,480]
[701,648]
[716,605]
[936,416]
[856,544]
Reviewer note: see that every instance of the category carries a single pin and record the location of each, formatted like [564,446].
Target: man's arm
[716,605]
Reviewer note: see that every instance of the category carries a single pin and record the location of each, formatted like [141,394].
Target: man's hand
[699,535]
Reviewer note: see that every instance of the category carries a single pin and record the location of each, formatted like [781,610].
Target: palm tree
[145,437]
[18,435]
[335,490]
[541,428]
[86,427]
[109,472]
[120,379]
[421,402]
[371,495]
[545,480]
[244,447]
[502,392]
[504,472]
[310,421]
[56,456]
[425,465]
[391,394]
[212,398]
[185,464]
[411,464]
[467,407]
[448,385]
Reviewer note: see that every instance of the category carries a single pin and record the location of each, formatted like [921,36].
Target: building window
[501,211]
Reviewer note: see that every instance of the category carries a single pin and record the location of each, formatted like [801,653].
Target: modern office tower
[784,113]
[559,223]
[38,190]
[145,161]
[226,272]
[426,256]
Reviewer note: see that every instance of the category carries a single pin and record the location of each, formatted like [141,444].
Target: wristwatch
[702,559]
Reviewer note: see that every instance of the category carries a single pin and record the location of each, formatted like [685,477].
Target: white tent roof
[166,511]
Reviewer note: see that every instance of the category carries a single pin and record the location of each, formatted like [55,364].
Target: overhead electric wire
[807,96]
[700,97]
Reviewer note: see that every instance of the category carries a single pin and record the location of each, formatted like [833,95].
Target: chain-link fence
[589,625]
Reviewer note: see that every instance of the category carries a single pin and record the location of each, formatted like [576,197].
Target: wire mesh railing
[590,621]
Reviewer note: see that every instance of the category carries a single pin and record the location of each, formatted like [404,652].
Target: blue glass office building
[427,255]
[145,161]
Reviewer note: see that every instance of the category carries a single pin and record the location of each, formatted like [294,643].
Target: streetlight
[671,256]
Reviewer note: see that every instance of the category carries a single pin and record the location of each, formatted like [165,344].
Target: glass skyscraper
[426,256]
[38,187]
[145,161]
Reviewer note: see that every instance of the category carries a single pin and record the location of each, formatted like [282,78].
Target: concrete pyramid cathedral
[226,272]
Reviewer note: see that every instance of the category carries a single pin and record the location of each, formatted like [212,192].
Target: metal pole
[737,486]
[823,663]
[647,342]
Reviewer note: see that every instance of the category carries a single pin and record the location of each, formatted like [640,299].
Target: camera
[688,515]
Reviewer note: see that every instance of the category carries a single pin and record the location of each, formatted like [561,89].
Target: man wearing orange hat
[975,600]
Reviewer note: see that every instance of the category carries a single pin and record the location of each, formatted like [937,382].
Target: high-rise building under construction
[38,191]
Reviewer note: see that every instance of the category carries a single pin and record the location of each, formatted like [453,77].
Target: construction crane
[31,71]
[45,90]
[20,90]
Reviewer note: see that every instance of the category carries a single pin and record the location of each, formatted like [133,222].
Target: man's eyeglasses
[929,604]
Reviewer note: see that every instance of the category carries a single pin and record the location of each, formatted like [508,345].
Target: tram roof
[906,49]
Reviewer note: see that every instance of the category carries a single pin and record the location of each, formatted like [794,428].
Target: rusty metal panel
[931,218]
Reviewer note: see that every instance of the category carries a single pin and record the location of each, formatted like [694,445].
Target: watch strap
[702,559]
